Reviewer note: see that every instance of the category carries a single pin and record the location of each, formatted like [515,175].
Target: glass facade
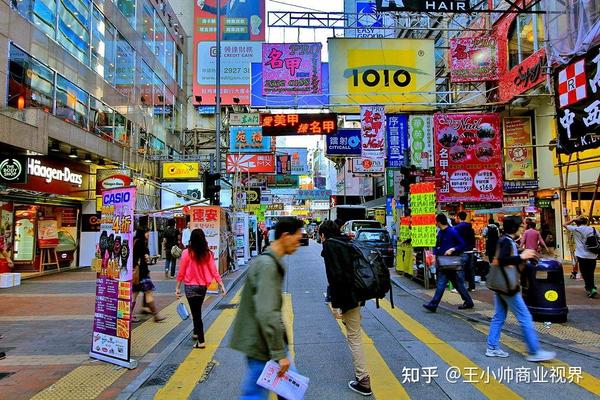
[125,66]
[41,12]
[146,87]
[525,37]
[147,25]
[127,8]
[103,47]
[30,83]
[101,119]
[71,102]
[73,28]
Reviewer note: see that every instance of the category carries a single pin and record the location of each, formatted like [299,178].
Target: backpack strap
[279,266]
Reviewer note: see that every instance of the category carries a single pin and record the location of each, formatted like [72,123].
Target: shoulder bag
[449,263]
[503,279]
[176,251]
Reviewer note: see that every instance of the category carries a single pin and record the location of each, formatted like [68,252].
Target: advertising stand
[423,232]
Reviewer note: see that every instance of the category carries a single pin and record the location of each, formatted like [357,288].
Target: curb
[137,383]
[470,317]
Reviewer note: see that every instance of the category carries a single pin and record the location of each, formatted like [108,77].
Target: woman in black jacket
[145,284]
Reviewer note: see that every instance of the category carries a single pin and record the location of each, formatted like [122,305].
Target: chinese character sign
[298,159]
[291,68]
[298,124]
[397,139]
[422,207]
[518,161]
[420,133]
[468,158]
[578,103]
[248,139]
[208,219]
[345,143]
[372,127]
[473,59]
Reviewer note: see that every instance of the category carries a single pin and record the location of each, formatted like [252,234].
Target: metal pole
[218,97]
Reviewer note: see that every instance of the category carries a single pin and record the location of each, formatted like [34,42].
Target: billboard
[258,163]
[346,142]
[372,132]
[298,124]
[397,73]
[474,59]
[468,157]
[363,15]
[298,159]
[175,194]
[518,161]
[397,139]
[291,68]
[455,6]
[179,170]
[349,184]
[248,139]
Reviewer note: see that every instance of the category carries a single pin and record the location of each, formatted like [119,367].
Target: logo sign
[291,68]
[257,163]
[282,181]
[252,195]
[298,124]
[180,170]
[244,119]
[346,142]
[206,110]
[518,161]
[420,143]
[578,103]
[468,158]
[454,6]
[248,139]
[298,159]
[473,59]
[379,71]
[372,127]
[368,165]
[397,139]
[363,15]
[90,222]
[13,169]
[36,168]
[112,179]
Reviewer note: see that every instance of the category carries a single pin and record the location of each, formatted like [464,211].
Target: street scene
[260,199]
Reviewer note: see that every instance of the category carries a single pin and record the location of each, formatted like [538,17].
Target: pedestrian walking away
[344,303]
[144,284]
[585,257]
[197,271]
[171,238]
[532,239]
[258,330]
[507,254]
[466,232]
[491,233]
[448,243]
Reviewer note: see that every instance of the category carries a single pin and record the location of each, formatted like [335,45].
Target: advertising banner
[397,139]
[298,159]
[518,161]
[380,71]
[175,194]
[112,179]
[420,142]
[346,142]
[298,124]
[372,132]
[248,139]
[363,15]
[284,164]
[111,340]
[291,68]
[468,157]
[473,59]
[455,6]
[180,170]
[423,232]
[257,163]
[244,119]
[368,165]
[282,181]
[578,103]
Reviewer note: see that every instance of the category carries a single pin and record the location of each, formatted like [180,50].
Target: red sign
[468,158]
[112,179]
[56,177]
[259,163]
[473,59]
[298,124]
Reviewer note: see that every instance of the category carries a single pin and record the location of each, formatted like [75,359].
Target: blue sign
[206,110]
[397,139]
[248,139]
[304,194]
[367,15]
[389,202]
[346,142]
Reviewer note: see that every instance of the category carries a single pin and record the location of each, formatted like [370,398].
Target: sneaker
[496,353]
[2,355]
[454,291]
[541,355]
[573,275]
[430,307]
[466,306]
[593,293]
[362,386]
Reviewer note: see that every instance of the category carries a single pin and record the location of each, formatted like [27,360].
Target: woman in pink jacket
[197,270]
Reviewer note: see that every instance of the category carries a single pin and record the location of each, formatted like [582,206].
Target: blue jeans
[250,390]
[519,309]
[170,265]
[458,281]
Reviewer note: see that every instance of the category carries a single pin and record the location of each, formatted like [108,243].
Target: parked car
[351,227]
[305,239]
[379,239]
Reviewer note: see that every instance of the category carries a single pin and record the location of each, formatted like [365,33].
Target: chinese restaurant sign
[420,133]
[248,139]
[291,68]
[518,161]
[112,317]
[455,6]
[346,142]
[397,139]
[372,127]
[468,158]
[298,124]
[578,103]
[473,59]
[257,163]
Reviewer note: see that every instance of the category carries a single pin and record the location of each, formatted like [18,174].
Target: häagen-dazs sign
[36,168]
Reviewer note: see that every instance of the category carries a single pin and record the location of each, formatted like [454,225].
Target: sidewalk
[581,332]
[47,327]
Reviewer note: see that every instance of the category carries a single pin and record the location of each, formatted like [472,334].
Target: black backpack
[592,243]
[371,275]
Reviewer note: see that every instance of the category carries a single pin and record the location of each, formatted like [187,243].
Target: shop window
[103,47]
[24,233]
[73,28]
[127,8]
[156,146]
[147,23]
[101,119]
[71,102]
[525,37]
[125,70]
[41,12]
[30,83]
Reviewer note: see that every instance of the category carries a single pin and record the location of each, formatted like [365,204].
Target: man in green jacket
[258,329]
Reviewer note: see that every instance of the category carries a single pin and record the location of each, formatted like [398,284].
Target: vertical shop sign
[284,164]
[372,127]
[518,161]
[208,219]
[468,159]
[423,232]
[112,318]
[298,160]
[397,140]
[291,68]
[420,133]
[473,59]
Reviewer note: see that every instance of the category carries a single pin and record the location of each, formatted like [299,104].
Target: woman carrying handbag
[197,270]
[503,279]
[141,274]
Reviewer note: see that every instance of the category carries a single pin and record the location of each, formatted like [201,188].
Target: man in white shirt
[185,235]
[585,258]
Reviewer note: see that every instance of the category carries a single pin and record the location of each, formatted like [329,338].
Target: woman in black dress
[145,285]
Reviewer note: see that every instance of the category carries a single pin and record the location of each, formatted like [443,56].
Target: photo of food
[486,132]
[484,152]
[448,137]
[458,154]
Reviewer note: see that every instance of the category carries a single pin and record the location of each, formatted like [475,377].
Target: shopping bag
[183,311]
[290,386]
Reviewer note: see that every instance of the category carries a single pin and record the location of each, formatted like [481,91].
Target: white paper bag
[291,385]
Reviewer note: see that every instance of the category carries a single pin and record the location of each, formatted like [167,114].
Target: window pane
[159,40]
[110,58]
[179,68]
[513,46]
[30,84]
[101,119]
[122,129]
[159,99]
[146,86]
[71,102]
[125,66]
[148,25]
[41,12]
[156,146]
[170,55]
[527,36]
[73,31]
[168,110]
[102,45]
[127,8]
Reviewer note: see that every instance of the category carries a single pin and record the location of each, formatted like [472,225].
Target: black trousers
[195,297]
[587,266]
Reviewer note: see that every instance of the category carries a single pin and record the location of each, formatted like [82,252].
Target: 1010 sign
[372,77]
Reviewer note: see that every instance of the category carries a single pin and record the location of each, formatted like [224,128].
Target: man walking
[466,232]
[492,234]
[258,329]
[338,265]
[171,237]
[448,244]
[585,258]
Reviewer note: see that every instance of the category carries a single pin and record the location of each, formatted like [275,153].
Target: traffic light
[212,188]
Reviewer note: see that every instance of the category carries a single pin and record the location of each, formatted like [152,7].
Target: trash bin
[543,288]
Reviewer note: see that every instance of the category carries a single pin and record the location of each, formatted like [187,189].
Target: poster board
[47,233]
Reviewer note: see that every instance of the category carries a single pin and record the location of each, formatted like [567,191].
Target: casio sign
[116,198]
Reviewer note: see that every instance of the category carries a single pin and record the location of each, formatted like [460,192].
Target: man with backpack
[466,232]
[587,248]
[492,234]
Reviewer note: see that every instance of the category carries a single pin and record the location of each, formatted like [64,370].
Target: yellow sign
[380,216]
[551,295]
[177,170]
[518,161]
[398,73]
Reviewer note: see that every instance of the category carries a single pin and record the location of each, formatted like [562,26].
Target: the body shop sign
[468,158]
[13,169]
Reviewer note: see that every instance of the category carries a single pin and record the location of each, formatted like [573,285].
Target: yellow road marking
[182,382]
[288,318]
[492,389]
[587,381]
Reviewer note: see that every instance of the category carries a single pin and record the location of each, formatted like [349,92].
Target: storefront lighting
[88,159]
[73,153]
[55,147]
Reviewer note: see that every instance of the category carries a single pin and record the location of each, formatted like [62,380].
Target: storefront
[44,211]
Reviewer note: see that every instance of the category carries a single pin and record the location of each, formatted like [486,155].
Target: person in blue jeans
[448,243]
[507,254]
